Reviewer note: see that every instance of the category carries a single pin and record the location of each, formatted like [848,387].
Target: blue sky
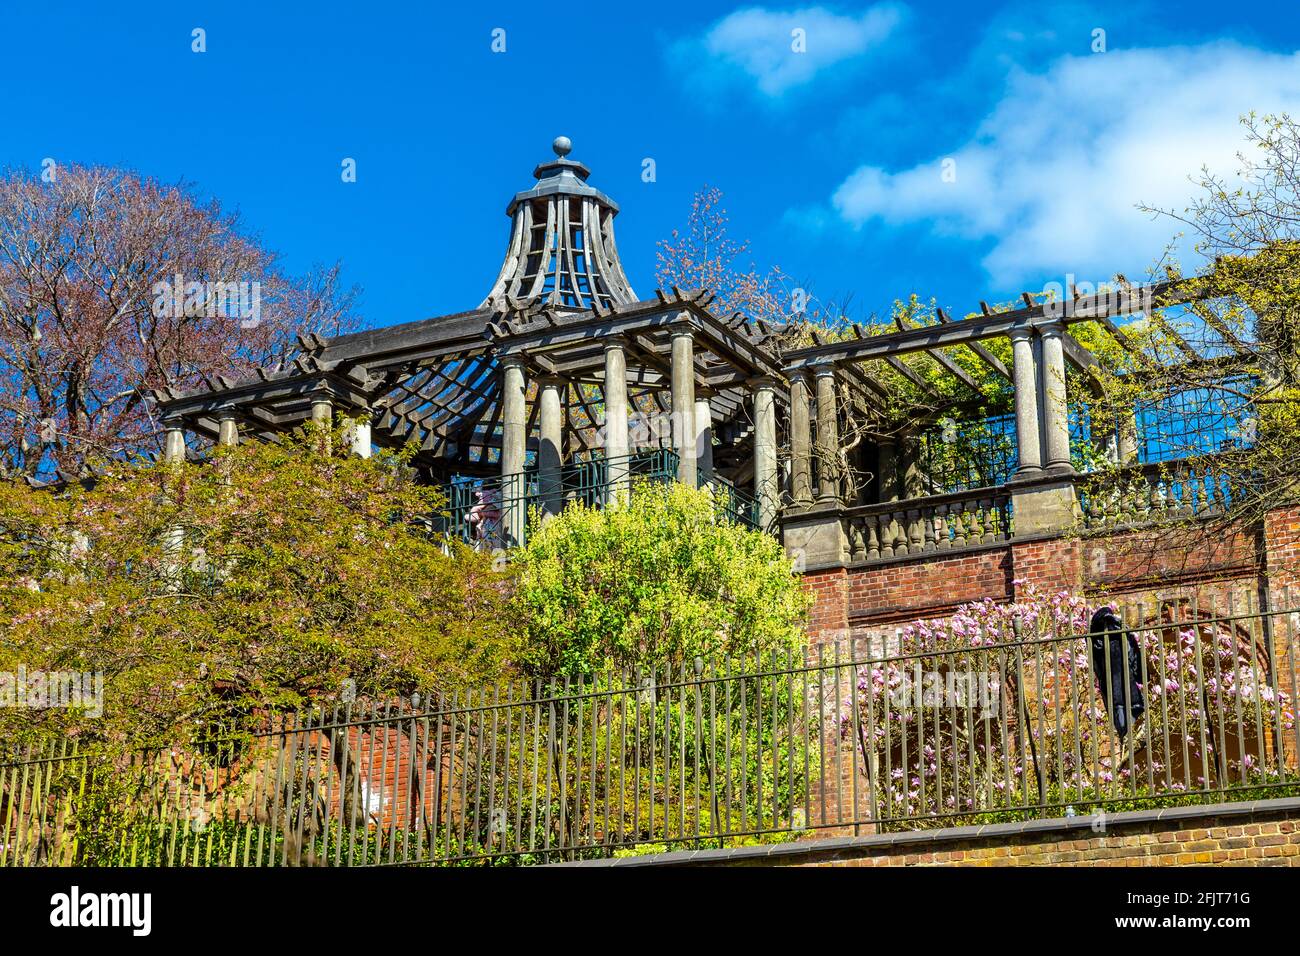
[831,159]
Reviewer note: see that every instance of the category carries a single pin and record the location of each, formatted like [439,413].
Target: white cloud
[761,44]
[1052,174]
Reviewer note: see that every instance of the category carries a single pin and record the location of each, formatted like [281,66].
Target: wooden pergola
[562,363]
[437,382]
[560,337]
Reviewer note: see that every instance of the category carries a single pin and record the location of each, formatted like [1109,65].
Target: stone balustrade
[924,525]
[1152,493]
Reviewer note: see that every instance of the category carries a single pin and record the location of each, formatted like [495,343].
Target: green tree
[1227,363]
[213,594]
[657,581]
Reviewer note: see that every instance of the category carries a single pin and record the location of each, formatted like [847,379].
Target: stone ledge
[806,849]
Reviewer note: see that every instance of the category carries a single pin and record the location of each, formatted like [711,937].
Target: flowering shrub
[207,594]
[999,706]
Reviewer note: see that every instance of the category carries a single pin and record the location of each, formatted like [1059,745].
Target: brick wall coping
[939,554]
[1056,825]
[1003,544]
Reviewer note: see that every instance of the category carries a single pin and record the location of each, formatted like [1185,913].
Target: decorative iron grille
[1196,421]
[958,456]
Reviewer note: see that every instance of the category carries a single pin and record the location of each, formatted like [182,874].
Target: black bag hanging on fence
[1108,639]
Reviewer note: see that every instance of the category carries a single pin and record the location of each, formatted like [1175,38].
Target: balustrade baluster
[917,545]
[897,544]
[1142,496]
[873,538]
[959,525]
[990,520]
[857,542]
[1186,506]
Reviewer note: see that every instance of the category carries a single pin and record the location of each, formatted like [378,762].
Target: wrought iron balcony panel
[491,512]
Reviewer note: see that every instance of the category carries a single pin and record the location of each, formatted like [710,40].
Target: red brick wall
[1282,547]
[828,617]
[933,585]
[1050,564]
[928,585]
[1219,836]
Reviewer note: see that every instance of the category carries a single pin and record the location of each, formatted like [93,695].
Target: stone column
[889,484]
[1128,439]
[1056,415]
[800,441]
[322,415]
[514,437]
[1025,383]
[173,538]
[227,427]
[322,410]
[358,435]
[550,446]
[766,489]
[1045,504]
[828,437]
[684,402]
[174,442]
[615,395]
[887,481]
[703,440]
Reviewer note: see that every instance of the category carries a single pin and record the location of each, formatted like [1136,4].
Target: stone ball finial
[562,145]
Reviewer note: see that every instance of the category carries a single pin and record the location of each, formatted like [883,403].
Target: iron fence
[1190,699]
[495,512]
[739,507]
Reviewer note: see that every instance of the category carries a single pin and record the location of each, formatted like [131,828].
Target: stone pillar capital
[824,369]
[174,440]
[227,425]
[510,360]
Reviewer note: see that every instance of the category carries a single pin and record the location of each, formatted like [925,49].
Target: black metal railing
[938,725]
[738,506]
[495,512]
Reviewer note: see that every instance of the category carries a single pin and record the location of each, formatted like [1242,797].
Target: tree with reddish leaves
[113,285]
[703,255]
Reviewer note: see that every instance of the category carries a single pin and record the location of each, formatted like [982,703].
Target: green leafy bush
[652,583]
